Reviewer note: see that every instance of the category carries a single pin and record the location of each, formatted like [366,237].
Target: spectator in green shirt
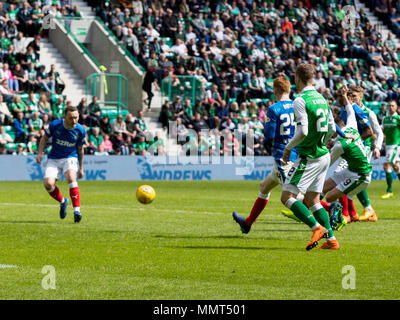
[95,138]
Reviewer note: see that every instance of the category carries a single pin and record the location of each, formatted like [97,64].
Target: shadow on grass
[172,236]
[216,237]
[238,248]
[278,222]
[226,247]
[282,230]
[27,222]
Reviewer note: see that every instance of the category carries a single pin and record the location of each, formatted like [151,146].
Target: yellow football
[145,194]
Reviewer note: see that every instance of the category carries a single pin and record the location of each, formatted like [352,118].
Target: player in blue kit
[67,140]
[279,128]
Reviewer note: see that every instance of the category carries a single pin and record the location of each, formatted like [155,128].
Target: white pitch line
[7,266]
[127,208]
[115,208]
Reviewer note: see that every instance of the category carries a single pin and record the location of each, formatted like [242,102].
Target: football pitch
[185,245]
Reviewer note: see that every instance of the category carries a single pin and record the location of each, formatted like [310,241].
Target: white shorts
[280,171]
[341,165]
[307,175]
[351,183]
[55,168]
[392,154]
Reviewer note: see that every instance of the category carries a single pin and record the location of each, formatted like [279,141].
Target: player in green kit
[315,125]
[391,129]
[357,175]
[373,147]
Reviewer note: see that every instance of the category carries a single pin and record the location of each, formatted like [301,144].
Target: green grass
[185,245]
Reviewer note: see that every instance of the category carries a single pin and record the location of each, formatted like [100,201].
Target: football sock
[322,217]
[301,212]
[352,210]
[56,194]
[75,195]
[345,205]
[364,199]
[389,180]
[258,207]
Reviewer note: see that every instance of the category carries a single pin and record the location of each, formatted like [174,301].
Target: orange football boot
[354,218]
[317,235]
[330,244]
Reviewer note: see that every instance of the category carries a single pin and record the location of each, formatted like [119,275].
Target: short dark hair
[70,109]
[305,72]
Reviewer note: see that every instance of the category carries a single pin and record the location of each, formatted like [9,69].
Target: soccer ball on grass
[145,194]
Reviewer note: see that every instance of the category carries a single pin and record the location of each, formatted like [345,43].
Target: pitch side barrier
[25,168]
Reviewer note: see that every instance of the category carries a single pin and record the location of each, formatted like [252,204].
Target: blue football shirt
[362,117]
[65,141]
[280,128]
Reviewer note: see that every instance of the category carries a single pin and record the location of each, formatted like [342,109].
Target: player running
[315,125]
[391,129]
[362,124]
[67,140]
[373,147]
[357,175]
[279,128]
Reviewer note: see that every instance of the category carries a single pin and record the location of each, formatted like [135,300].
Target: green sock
[323,218]
[389,180]
[302,212]
[364,199]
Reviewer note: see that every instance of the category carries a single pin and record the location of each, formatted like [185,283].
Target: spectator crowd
[31,96]
[234,48]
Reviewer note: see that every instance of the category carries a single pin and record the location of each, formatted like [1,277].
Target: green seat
[342,61]
[11,146]
[332,46]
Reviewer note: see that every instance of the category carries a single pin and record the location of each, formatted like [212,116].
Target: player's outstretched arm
[80,160]
[42,145]
[378,141]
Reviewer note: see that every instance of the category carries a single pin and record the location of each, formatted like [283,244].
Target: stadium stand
[214,62]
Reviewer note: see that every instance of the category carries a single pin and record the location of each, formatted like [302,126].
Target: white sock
[264,196]
[315,226]
[77,209]
[290,202]
[73,185]
[331,238]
